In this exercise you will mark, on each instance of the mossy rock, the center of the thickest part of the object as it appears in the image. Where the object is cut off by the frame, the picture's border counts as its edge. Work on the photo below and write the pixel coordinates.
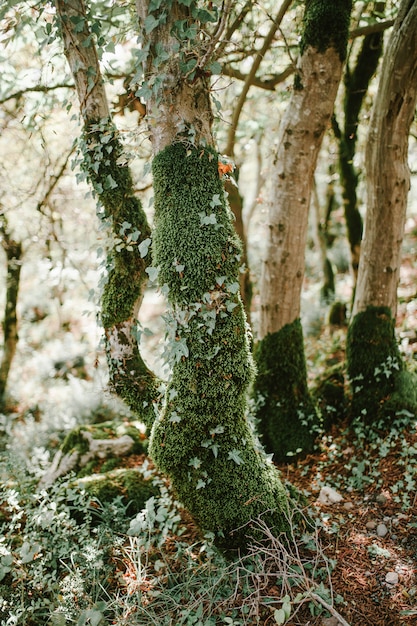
(288, 420)
(89, 446)
(381, 387)
(128, 485)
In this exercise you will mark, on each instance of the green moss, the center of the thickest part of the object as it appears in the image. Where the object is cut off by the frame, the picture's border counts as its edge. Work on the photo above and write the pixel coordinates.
(330, 397)
(288, 421)
(326, 24)
(126, 276)
(381, 388)
(128, 484)
(202, 439)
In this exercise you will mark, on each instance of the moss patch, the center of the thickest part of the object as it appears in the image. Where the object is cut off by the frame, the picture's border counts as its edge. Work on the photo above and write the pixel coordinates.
(127, 259)
(381, 388)
(288, 420)
(326, 24)
(202, 439)
(129, 485)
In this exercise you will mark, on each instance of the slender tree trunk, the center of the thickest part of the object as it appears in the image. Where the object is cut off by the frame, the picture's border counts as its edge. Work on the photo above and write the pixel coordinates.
(356, 88)
(122, 213)
(13, 250)
(202, 439)
(380, 385)
(285, 404)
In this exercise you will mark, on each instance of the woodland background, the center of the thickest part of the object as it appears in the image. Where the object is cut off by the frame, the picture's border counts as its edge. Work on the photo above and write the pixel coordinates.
(95, 553)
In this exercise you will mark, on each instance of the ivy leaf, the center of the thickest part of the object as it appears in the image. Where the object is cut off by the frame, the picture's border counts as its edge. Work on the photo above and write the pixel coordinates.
(152, 272)
(150, 23)
(144, 247)
(194, 462)
(201, 484)
(175, 418)
(234, 455)
(207, 219)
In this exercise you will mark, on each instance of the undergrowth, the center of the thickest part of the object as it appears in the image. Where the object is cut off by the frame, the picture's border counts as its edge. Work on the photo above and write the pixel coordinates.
(66, 558)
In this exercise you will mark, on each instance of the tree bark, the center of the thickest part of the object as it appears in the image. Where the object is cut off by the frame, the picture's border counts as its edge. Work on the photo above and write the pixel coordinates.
(13, 250)
(122, 213)
(281, 393)
(381, 387)
(202, 439)
(388, 175)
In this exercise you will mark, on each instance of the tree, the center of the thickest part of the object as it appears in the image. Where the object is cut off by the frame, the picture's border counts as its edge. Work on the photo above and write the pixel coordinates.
(13, 250)
(288, 419)
(202, 439)
(120, 211)
(356, 82)
(380, 385)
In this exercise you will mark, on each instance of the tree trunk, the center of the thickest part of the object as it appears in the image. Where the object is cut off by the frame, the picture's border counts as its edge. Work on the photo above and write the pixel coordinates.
(306, 119)
(13, 250)
(380, 385)
(121, 212)
(202, 439)
(356, 88)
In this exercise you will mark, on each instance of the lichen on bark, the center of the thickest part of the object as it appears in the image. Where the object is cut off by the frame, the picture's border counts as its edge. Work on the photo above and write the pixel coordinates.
(202, 439)
(288, 420)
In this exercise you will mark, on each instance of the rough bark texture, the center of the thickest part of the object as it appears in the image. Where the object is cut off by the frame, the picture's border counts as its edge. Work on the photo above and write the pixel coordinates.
(301, 133)
(388, 176)
(13, 250)
(202, 439)
(122, 213)
(308, 114)
(356, 87)
(381, 388)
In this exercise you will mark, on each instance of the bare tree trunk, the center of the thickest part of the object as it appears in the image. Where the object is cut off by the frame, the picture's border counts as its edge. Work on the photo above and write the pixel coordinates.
(126, 222)
(13, 250)
(388, 175)
(381, 387)
(288, 419)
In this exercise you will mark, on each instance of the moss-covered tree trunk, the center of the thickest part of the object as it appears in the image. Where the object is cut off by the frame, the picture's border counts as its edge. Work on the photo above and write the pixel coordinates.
(319, 69)
(356, 87)
(121, 212)
(202, 439)
(13, 250)
(380, 386)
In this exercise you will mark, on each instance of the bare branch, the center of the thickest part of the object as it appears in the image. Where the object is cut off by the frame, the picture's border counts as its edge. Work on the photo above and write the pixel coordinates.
(36, 88)
(267, 83)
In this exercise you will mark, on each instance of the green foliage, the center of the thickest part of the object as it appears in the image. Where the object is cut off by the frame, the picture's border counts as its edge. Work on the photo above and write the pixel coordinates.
(380, 386)
(53, 565)
(288, 421)
(127, 486)
(326, 24)
(202, 439)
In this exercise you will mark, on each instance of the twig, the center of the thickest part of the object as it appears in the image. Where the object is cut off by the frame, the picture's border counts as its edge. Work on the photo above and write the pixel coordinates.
(329, 608)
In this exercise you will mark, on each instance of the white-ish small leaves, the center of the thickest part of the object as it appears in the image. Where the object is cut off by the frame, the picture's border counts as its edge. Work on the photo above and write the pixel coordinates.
(283, 614)
(152, 272)
(195, 462)
(234, 455)
(144, 247)
(175, 418)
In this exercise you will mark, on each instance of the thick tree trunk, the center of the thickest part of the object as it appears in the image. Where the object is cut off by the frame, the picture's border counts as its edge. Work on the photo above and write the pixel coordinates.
(13, 250)
(285, 400)
(122, 213)
(381, 388)
(202, 439)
